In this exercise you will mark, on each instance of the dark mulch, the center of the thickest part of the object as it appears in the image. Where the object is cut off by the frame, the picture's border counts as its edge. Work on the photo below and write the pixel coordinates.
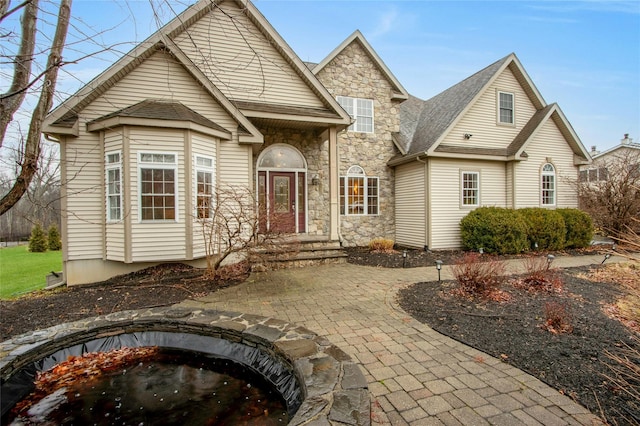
(573, 363)
(157, 286)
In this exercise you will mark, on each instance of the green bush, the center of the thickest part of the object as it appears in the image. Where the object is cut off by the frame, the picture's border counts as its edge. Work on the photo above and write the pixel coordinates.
(38, 240)
(53, 239)
(544, 227)
(579, 228)
(495, 230)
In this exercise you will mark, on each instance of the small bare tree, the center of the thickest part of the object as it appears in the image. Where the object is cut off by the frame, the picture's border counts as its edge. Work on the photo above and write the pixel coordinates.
(231, 225)
(614, 199)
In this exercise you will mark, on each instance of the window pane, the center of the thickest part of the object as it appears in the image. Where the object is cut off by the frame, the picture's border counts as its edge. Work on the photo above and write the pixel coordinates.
(372, 196)
(470, 188)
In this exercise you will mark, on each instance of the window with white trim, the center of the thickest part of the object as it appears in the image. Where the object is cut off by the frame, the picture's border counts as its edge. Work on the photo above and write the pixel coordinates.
(113, 178)
(204, 186)
(359, 109)
(358, 193)
(470, 186)
(158, 181)
(548, 185)
(505, 108)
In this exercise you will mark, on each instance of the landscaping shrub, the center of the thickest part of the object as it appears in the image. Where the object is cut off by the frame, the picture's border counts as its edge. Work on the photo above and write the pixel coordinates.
(578, 227)
(381, 245)
(539, 275)
(558, 318)
(53, 239)
(38, 239)
(495, 230)
(544, 227)
(476, 277)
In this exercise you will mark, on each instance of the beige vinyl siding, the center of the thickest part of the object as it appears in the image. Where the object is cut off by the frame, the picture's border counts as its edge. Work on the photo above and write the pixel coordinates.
(163, 240)
(205, 146)
(481, 120)
(446, 210)
(548, 145)
(218, 45)
(115, 232)
(411, 210)
(234, 164)
(159, 77)
(84, 199)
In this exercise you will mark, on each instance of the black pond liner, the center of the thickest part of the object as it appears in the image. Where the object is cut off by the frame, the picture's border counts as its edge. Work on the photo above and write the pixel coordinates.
(275, 371)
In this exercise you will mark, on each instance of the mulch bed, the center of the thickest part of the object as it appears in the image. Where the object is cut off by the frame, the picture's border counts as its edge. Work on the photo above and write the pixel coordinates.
(161, 285)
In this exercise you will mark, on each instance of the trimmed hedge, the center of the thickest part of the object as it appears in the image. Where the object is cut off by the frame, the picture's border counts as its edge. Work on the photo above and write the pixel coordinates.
(579, 228)
(495, 230)
(545, 227)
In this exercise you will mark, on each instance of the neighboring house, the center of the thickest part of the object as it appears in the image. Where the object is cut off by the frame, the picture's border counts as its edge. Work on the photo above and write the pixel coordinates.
(626, 152)
(336, 150)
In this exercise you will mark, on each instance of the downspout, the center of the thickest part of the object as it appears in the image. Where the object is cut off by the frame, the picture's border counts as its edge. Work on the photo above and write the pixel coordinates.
(427, 201)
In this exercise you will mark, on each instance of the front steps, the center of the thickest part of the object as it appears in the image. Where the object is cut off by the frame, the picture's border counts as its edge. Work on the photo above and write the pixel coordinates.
(296, 251)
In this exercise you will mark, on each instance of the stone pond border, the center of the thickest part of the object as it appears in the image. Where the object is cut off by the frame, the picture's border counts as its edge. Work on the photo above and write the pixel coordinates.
(335, 390)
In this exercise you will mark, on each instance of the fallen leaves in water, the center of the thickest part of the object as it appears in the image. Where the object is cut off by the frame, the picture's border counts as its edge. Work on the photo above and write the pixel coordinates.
(84, 367)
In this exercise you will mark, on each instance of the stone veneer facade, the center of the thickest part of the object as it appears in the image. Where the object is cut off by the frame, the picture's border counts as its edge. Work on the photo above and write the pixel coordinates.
(353, 73)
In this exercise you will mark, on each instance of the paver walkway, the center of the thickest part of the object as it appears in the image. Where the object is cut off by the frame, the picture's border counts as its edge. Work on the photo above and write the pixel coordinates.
(416, 375)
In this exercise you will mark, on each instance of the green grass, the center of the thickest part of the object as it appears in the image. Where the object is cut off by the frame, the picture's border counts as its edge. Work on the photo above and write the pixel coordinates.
(22, 271)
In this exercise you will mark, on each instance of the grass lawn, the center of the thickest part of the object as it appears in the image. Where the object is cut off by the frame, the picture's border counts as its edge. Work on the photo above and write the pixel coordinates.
(22, 271)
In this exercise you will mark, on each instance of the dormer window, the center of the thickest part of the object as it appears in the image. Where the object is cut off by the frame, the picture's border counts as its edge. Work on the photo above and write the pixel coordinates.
(359, 109)
(505, 108)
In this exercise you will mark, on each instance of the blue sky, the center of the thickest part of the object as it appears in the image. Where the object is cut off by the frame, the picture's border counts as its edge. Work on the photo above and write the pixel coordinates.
(584, 55)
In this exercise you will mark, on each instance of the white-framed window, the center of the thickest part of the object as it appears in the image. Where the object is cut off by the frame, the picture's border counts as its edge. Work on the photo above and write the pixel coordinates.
(113, 179)
(358, 193)
(548, 185)
(359, 109)
(470, 189)
(506, 111)
(158, 181)
(204, 172)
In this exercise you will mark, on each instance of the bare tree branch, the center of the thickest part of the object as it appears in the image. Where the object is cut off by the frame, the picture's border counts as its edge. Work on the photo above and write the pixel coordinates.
(32, 145)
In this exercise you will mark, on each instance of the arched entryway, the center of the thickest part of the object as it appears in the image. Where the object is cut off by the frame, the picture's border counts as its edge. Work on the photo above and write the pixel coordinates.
(282, 189)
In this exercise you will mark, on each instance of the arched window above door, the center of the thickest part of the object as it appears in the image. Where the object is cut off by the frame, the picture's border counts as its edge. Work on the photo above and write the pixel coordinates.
(281, 156)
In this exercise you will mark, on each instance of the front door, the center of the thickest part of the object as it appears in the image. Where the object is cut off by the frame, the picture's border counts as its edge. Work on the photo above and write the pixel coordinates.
(282, 202)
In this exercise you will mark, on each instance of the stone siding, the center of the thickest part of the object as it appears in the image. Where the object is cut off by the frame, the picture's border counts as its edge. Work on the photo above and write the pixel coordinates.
(353, 73)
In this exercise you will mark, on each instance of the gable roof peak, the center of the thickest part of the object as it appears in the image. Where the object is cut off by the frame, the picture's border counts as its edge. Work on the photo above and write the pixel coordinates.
(399, 91)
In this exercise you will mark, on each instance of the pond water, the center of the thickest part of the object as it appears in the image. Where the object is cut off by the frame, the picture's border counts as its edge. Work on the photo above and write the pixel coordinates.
(176, 387)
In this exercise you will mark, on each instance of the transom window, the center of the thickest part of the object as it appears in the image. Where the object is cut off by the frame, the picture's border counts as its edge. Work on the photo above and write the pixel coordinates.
(470, 188)
(113, 177)
(505, 108)
(359, 109)
(548, 184)
(158, 195)
(204, 186)
(358, 193)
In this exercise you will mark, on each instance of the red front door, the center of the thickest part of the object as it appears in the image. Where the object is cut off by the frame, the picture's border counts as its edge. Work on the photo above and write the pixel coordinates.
(282, 202)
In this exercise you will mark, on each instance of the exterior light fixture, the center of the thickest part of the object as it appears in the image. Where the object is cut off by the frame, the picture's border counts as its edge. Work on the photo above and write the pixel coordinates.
(606, 256)
(481, 250)
(535, 246)
(550, 258)
(315, 180)
(404, 258)
(438, 267)
(467, 136)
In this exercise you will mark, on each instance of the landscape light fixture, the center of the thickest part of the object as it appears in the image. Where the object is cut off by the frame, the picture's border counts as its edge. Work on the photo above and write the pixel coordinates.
(550, 258)
(606, 256)
(481, 250)
(404, 258)
(438, 267)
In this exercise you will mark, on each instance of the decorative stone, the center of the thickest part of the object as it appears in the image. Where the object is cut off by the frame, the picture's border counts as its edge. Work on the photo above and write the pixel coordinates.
(297, 348)
(352, 377)
(351, 407)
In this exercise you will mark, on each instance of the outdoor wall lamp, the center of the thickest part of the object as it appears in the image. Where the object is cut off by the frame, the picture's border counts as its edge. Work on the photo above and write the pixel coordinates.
(467, 136)
(404, 258)
(438, 267)
(315, 180)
